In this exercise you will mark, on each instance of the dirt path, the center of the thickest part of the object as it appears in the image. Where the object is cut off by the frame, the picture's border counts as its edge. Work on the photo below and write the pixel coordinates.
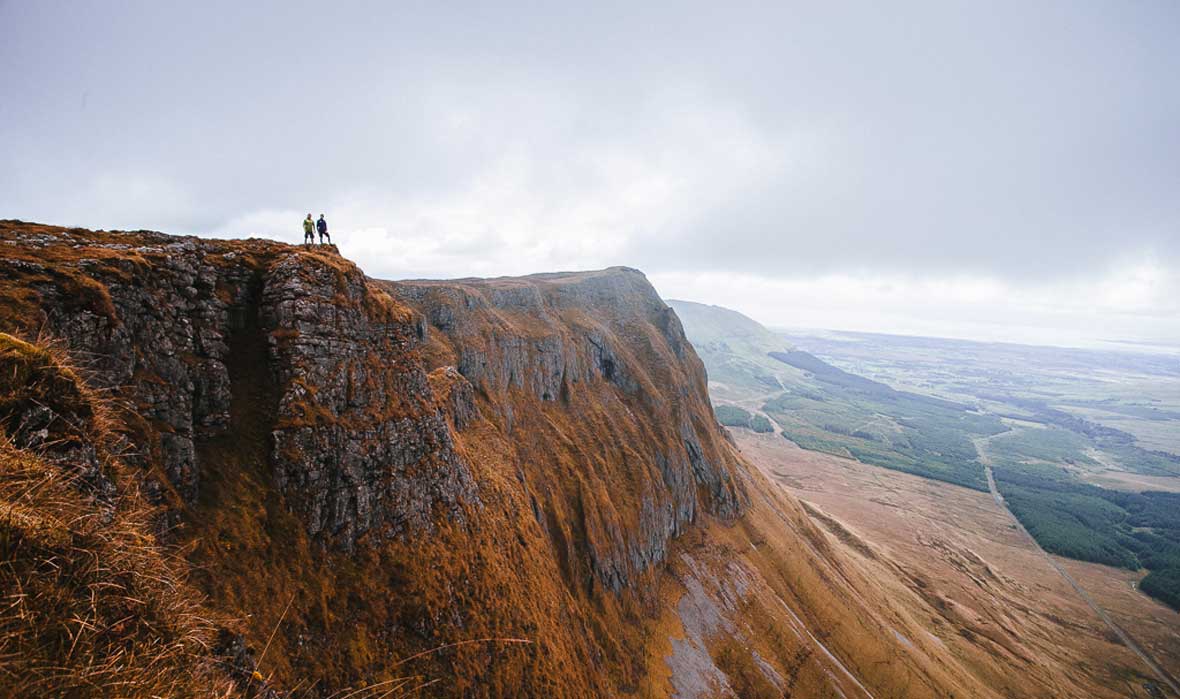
(1162, 675)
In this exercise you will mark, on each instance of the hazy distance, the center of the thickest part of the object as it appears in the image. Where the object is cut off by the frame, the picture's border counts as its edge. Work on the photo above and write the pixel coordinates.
(1000, 171)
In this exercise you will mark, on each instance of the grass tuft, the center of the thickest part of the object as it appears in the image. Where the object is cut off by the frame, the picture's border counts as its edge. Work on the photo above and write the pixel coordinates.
(90, 603)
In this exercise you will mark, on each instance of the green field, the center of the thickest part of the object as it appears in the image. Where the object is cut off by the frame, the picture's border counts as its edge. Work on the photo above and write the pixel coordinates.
(871, 422)
(1125, 405)
(733, 416)
(1051, 418)
(1052, 445)
(1082, 521)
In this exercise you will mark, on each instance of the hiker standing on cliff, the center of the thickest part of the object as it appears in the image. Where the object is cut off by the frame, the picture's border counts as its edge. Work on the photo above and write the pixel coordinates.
(322, 226)
(308, 231)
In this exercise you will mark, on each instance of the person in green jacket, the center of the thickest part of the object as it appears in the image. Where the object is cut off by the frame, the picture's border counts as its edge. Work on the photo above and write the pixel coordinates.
(308, 230)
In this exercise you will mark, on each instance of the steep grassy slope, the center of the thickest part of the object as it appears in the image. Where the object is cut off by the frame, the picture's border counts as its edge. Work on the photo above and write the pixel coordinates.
(853, 417)
(503, 488)
(91, 602)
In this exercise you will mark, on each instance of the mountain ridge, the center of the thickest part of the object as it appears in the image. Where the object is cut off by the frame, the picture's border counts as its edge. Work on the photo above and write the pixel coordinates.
(358, 471)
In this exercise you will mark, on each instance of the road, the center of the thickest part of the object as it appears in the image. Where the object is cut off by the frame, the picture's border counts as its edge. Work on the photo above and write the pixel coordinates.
(1159, 672)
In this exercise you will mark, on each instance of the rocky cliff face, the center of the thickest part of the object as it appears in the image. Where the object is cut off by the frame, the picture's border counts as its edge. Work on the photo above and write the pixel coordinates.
(359, 442)
(521, 477)
(579, 350)
(356, 441)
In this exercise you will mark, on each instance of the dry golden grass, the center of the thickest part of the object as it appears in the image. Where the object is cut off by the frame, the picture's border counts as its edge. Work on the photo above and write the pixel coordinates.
(92, 604)
(39, 374)
(563, 484)
(948, 559)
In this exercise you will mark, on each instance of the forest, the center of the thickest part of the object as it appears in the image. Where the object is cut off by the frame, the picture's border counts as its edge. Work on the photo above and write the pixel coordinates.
(1038, 456)
(1082, 521)
(733, 416)
(873, 423)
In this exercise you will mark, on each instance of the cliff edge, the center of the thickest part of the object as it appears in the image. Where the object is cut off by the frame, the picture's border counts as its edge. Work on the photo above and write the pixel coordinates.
(506, 487)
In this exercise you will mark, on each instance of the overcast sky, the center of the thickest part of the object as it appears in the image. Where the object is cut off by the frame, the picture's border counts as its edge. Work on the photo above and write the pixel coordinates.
(999, 170)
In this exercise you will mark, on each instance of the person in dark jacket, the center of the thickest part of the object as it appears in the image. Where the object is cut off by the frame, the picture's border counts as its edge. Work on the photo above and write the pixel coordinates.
(308, 231)
(322, 226)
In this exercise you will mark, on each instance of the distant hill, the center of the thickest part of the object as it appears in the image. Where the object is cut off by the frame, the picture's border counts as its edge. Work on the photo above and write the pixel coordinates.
(736, 350)
(706, 324)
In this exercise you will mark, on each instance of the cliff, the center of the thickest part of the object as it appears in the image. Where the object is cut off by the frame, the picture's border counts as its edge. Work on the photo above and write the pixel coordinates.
(598, 403)
(508, 487)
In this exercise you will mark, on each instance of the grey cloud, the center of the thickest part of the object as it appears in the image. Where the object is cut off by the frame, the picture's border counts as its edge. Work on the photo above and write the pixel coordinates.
(1011, 139)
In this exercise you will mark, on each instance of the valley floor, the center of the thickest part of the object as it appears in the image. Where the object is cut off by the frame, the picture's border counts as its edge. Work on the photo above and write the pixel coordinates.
(984, 587)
